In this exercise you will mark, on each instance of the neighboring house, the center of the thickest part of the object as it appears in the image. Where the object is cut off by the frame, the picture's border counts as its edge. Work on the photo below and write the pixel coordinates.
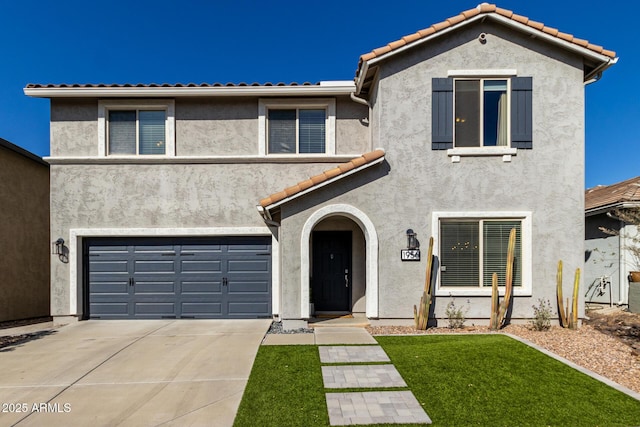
(195, 200)
(608, 259)
(24, 231)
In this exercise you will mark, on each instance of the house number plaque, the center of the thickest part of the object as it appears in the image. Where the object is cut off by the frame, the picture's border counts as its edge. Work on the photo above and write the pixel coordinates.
(410, 254)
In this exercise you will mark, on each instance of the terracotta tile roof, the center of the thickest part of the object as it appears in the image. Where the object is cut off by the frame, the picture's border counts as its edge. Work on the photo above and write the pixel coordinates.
(317, 180)
(483, 8)
(170, 85)
(611, 195)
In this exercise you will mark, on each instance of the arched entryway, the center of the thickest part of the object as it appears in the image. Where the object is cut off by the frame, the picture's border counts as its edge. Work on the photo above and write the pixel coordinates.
(348, 235)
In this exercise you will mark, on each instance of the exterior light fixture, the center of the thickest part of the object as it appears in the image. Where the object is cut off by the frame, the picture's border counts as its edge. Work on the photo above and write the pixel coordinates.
(412, 253)
(412, 241)
(58, 246)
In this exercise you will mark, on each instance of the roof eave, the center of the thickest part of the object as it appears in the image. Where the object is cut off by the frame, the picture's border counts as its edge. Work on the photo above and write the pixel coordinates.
(607, 61)
(612, 206)
(153, 92)
(272, 206)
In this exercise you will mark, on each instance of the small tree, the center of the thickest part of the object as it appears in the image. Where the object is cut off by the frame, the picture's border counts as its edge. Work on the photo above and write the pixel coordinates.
(629, 216)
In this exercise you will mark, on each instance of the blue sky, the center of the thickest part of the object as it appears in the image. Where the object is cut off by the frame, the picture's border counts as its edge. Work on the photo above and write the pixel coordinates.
(161, 41)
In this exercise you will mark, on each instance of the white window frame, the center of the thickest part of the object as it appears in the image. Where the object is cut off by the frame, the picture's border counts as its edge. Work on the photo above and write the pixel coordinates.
(167, 105)
(483, 74)
(526, 254)
(481, 80)
(328, 104)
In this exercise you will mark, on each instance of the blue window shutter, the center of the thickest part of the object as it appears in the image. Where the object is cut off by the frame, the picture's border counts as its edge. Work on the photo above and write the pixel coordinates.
(442, 113)
(521, 115)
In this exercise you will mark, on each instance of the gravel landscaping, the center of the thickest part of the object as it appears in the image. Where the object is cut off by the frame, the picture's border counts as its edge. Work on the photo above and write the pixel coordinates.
(276, 328)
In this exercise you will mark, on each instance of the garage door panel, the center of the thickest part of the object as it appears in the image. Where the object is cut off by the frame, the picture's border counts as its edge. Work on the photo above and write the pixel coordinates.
(154, 308)
(204, 309)
(247, 308)
(110, 288)
(198, 288)
(168, 249)
(201, 266)
(226, 277)
(106, 309)
(248, 266)
(244, 287)
(201, 249)
(109, 249)
(249, 245)
(154, 287)
(109, 266)
(154, 266)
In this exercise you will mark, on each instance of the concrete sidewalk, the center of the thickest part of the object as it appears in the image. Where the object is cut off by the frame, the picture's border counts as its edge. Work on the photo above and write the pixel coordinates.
(137, 373)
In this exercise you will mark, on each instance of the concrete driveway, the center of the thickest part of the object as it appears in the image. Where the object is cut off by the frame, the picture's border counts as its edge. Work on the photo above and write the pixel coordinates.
(130, 373)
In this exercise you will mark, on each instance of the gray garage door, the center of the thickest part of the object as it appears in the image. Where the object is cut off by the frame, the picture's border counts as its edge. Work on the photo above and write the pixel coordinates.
(154, 278)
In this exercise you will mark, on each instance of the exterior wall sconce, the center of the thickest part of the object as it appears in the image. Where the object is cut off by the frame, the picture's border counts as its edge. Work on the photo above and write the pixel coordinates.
(412, 253)
(412, 241)
(58, 246)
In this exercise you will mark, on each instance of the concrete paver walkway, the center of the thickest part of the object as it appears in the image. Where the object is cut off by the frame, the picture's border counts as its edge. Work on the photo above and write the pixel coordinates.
(362, 407)
(361, 376)
(352, 354)
(375, 407)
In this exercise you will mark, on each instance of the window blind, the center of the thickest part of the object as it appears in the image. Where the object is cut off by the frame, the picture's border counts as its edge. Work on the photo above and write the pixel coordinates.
(495, 244)
(459, 253)
(282, 131)
(311, 131)
(152, 127)
(122, 132)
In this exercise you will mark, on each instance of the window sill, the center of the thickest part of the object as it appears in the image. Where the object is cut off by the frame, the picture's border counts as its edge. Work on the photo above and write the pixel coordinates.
(165, 159)
(479, 292)
(505, 152)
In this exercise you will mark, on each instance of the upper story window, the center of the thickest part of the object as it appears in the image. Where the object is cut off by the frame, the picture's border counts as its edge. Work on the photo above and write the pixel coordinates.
(296, 126)
(137, 132)
(482, 115)
(297, 130)
(130, 128)
(481, 118)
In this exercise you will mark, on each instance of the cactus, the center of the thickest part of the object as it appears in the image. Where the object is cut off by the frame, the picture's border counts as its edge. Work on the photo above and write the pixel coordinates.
(494, 301)
(421, 314)
(568, 319)
(573, 320)
(561, 310)
(499, 310)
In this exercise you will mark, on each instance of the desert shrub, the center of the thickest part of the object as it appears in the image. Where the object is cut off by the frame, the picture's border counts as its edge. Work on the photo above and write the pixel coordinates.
(541, 315)
(456, 315)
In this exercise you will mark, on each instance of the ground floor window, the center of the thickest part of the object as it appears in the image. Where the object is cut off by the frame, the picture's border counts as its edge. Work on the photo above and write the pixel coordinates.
(471, 250)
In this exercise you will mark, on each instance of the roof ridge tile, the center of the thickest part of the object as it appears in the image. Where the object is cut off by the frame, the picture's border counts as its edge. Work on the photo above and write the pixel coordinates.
(483, 8)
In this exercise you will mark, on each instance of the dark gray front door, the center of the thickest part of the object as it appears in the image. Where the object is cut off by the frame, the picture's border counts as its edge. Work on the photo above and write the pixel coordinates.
(331, 270)
(150, 278)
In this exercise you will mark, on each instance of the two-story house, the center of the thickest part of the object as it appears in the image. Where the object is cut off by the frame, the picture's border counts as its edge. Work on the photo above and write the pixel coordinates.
(260, 200)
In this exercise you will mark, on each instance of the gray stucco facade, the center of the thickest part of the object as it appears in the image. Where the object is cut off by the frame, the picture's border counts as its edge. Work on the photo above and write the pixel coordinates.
(218, 174)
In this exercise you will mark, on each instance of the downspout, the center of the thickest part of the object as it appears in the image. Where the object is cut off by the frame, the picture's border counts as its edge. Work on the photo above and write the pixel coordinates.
(266, 216)
(596, 74)
(622, 258)
(359, 100)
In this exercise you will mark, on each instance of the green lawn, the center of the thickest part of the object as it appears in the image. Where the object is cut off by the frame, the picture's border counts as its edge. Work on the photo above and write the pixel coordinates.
(462, 380)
